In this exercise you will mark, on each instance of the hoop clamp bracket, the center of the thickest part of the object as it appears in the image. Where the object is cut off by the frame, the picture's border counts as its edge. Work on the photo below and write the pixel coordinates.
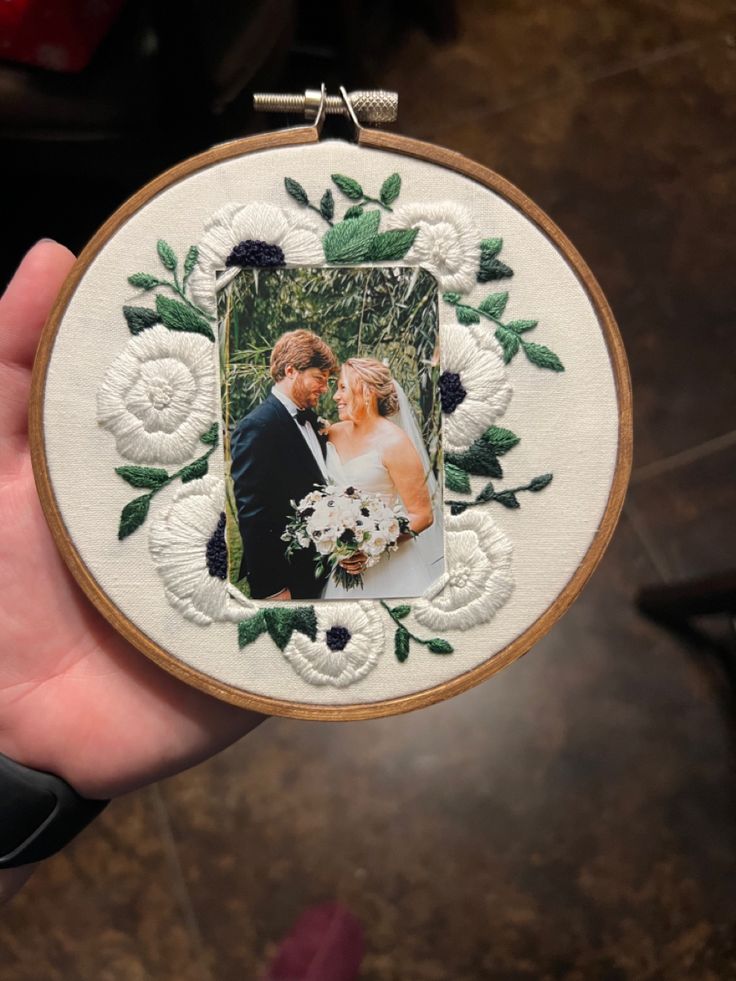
(373, 106)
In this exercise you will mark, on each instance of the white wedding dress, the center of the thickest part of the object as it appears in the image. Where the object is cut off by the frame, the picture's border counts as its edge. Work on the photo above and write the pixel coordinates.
(408, 571)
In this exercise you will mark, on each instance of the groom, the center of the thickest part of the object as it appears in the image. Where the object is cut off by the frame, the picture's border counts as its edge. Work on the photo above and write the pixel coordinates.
(277, 456)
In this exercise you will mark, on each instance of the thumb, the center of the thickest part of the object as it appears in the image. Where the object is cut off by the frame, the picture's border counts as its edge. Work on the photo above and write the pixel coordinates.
(28, 299)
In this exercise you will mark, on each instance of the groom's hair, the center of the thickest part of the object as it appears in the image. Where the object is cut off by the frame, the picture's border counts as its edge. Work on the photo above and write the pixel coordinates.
(301, 349)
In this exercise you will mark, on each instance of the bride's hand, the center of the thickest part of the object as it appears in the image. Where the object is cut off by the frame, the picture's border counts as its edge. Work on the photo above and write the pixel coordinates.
(355, 564)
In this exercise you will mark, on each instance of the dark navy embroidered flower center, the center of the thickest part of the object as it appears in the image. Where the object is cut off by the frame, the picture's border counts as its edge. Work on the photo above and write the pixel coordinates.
(217, 551)
(252, 252)
(337, 638)
(451, 391)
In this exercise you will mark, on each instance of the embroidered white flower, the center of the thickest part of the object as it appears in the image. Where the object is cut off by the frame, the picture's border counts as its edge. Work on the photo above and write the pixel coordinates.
(266, 236)
(478, 579)
(348, 644)
(159, 396)
(474, 388)
(447, 243)
(187, 545)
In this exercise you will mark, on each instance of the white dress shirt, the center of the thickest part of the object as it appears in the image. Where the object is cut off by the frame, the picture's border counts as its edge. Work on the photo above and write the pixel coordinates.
(310, 437)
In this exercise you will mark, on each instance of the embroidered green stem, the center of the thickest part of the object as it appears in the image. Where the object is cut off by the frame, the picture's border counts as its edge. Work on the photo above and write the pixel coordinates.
(505, 497)
(152, 282)
(326, 209)
(390, 190)
(508, 334)
(403, 635)
(155, 479)
(147, 282)
(319, 212)
(367, 199)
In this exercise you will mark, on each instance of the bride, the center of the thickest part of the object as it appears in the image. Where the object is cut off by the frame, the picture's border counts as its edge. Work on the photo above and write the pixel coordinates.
(370, 451)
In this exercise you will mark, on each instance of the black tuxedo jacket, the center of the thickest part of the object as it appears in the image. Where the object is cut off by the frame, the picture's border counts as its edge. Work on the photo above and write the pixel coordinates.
(271, 466)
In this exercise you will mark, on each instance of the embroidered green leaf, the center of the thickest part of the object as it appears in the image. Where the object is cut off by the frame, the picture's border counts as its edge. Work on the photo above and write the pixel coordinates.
(327, 206)
(282, 622)
(139, 318)
(509, 343)
(400, 612)
(166, 255)
(500, 440)
(133, 515)
(451, 298)
(143, 281)
(349, 187)
(493, 269)
(457, 507)
(401, 644)
(520, 326)
(149, 477)
(490, 267)
(350, 241)
(390, 189)
(487, 494)
(305, 621)
(295, 189)
(392, 245)
(539, 483)
(191, 261)
(439, 646)
(494, 305)
(250, 629)
(508, 499)
(178, 316)
(193, 471)
(354, 211)
(456, 479)
(490, 247)
(466, 315)
(210, 437)
(542, 357)
(479, 459)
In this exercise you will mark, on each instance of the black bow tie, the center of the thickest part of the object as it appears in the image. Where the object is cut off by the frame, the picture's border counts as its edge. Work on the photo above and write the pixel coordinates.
(306, 415)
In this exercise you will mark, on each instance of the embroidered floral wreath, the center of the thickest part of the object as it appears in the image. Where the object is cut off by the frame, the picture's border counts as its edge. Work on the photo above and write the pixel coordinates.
(159, 401)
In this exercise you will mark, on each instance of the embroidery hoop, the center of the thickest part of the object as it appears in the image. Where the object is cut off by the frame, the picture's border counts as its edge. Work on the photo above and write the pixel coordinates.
(438, 156)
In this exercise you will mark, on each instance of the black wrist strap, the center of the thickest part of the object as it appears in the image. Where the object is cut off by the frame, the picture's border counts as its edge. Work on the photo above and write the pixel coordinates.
(39, 814)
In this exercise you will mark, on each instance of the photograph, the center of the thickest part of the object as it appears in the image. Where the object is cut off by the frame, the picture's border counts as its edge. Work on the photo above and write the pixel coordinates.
(329, 391)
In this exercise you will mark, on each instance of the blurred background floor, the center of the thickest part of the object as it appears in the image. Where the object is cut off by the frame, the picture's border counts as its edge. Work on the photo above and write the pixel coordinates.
(574, 816)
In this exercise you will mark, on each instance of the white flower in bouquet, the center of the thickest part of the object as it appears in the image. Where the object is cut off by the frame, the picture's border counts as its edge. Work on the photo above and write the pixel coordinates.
(341, 523)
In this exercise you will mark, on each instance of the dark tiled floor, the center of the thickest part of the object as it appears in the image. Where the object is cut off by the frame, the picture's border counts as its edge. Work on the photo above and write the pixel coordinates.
(560, 822)
(574, 817)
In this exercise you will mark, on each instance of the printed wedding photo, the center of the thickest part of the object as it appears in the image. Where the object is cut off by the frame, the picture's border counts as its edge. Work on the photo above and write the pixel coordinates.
(329, 384)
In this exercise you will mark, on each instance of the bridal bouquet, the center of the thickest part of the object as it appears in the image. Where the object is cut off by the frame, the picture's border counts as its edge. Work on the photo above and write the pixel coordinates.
(340, 522)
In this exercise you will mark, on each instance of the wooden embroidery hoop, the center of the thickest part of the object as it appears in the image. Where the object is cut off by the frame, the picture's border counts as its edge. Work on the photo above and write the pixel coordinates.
(379, 140)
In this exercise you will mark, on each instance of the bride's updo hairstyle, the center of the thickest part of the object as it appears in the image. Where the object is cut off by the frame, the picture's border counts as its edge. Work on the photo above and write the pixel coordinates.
(377, 379)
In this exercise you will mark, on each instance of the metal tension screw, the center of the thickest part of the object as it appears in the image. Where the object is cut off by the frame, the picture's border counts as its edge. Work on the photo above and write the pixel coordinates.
(370, 106)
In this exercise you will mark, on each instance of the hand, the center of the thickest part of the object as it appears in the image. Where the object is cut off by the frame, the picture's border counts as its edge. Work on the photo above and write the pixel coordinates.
(284, 594)
(75, 698)
(355, 564)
